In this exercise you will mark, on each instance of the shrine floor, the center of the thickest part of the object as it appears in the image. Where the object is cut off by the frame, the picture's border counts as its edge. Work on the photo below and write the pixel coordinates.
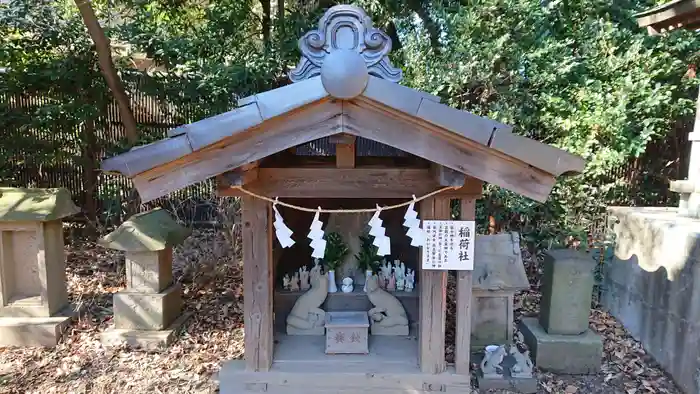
(300, 365)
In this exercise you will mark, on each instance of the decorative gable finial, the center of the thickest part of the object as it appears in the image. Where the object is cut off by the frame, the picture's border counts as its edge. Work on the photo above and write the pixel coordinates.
(345, 27)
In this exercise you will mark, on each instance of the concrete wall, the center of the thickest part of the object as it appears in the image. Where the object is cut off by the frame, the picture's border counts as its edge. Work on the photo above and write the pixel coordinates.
(663, 314)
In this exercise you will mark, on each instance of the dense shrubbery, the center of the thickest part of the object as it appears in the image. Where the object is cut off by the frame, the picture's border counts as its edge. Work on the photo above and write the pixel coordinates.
(579, 75)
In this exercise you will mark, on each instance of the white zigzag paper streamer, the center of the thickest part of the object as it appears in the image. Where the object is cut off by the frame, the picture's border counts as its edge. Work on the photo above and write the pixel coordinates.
(316, 236)
(283, 233)
(411, 221)
(381, 241)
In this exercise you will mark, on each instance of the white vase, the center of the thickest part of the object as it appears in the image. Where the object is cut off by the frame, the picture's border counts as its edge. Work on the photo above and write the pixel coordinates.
(368, 274)
(332, 288)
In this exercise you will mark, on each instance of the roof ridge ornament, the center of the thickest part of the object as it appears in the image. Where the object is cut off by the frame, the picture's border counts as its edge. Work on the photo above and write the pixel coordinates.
(345, 27)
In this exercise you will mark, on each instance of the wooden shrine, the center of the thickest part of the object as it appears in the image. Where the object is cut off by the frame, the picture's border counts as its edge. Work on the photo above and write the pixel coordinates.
(345, 134)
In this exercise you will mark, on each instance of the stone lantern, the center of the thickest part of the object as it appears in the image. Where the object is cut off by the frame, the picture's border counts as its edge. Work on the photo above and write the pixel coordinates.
(147, 312)
(498, 274)
(34, 307)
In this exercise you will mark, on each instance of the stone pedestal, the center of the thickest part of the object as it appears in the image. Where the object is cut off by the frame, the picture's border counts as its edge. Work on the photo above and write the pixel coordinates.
(567, 354)
(34, 308)
(498, 274)
(147, 312)
(560, 339)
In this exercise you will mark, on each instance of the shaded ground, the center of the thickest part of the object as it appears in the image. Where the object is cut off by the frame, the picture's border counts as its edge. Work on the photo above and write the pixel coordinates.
(211, 281)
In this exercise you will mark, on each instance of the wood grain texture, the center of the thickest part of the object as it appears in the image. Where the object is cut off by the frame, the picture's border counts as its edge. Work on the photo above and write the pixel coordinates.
(445, 176)
(464, 302)
(339, 183)
(369, 120)
(307, 124)
(433, 299)
(545, 157)
(257, 283)
(345, 155)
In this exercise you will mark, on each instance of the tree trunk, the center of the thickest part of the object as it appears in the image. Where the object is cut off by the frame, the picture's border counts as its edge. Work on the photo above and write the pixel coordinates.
(104, 56)
(266, 21)
(280, 15)
(421, 10)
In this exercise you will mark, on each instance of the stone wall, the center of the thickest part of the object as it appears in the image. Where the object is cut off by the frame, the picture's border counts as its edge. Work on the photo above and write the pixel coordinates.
(663, 314)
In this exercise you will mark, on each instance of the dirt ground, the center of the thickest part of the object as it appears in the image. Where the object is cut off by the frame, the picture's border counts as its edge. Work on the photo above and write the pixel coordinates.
(212, 286)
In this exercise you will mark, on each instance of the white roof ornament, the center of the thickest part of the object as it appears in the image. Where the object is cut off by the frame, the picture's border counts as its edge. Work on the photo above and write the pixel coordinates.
(344, 74)
(345, 28)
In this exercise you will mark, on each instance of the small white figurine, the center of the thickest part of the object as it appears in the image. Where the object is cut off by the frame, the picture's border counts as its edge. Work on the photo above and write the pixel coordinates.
(410, 280)
(286, 282)
(385, 273)
(304, 278)
(347, 285)
(400, 284)
(294, 286)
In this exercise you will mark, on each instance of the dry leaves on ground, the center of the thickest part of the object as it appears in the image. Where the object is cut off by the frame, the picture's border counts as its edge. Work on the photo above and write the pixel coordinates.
(212, 289)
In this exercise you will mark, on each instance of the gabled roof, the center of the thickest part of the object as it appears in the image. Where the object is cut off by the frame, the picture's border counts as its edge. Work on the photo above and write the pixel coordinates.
(676, 14)
(35, 205)
(149, 231)
(345, 84)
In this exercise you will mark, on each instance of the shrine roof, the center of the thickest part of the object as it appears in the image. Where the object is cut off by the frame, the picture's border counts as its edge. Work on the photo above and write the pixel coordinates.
(500, 264)
(675, 14)
(35, 205)
(344, 83)
(149, 231)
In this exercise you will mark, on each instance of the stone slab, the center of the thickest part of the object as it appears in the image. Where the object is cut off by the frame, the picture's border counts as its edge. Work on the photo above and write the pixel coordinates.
(144, 339)
(568, 354)
(34, 331)
(518, 385)
(150, 312)
(314, 331)
(339, 377)
(149, 272)
(396, 330)
(567, 289)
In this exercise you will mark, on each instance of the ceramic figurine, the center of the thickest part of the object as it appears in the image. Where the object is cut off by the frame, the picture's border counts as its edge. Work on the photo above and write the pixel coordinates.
(347, 285)
(306, 316)
(304, 278)
(523, 365)
(400, 284)
(294, 286)
(391, 286)
(385, 274)
(410, 280)
(491, 364)
(286, 282)
(388, 317)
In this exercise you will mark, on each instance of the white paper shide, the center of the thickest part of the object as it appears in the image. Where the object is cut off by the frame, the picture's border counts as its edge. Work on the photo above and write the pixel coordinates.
(381, 241)
(316, 236)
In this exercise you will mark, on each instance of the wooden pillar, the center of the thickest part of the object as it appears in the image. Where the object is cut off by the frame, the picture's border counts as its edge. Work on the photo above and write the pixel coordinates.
(433, 299)
(257, 283)
(464, 302)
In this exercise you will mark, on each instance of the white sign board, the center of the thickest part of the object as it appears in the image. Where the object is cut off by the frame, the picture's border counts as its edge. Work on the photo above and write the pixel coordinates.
(449, 245)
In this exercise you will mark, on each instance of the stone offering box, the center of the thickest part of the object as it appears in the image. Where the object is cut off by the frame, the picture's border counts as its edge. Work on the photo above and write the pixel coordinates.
(33, 297)
(346, 332)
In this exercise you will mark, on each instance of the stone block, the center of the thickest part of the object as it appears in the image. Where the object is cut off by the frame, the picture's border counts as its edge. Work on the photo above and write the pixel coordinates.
(32, 269)
(34, 331)
(142, 311)
(313, 331)
(567, 354)
(143, 339)
(567, 288)
(491, 318)
(518, 385)
(149, 272)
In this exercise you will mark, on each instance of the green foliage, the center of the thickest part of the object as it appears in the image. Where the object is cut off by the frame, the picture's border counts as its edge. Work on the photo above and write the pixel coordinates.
(367, 258)
(580, 75)
(336, 250)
